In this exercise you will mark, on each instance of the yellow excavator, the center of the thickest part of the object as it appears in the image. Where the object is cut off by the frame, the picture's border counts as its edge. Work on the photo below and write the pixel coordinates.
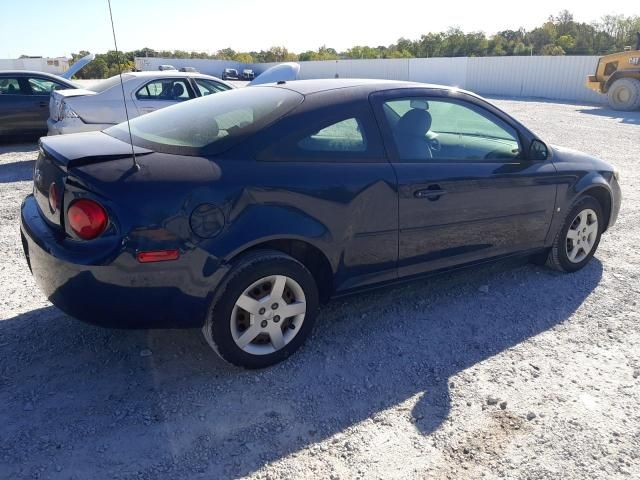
(618, 76)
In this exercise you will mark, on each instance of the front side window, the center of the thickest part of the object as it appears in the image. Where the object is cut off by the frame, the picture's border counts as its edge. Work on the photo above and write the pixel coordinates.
(344, 136)
(428, 129)
(165, 89)
(40, 86)
(9, 86)
(211, 124)
(207, 87)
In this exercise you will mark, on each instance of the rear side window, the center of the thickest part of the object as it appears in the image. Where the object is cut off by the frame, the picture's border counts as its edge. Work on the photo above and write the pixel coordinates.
(211, 124)
(207, 87)
(165, 89)
(9, 86)
(344, 136)
(40, 86)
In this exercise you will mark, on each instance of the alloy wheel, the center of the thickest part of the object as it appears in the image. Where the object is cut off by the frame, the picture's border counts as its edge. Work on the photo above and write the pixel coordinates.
(268, 315)
(582, 235)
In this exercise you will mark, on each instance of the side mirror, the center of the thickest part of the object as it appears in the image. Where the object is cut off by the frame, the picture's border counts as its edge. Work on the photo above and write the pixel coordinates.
(538, 150)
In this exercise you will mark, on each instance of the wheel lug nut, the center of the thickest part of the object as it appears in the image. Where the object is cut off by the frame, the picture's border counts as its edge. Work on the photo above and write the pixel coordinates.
(261, 311)
(276, 318)
(263, 324)
(274, 306)
(292, 326)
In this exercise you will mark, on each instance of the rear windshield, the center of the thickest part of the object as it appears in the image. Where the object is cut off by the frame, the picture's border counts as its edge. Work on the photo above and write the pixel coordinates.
(108, 83)
(211, 124)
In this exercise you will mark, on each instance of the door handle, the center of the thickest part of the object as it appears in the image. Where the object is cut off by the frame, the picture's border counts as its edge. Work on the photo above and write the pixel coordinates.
(434, 192)
(43, 104)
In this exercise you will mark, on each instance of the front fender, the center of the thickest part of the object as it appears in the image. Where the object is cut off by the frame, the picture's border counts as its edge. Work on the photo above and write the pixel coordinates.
(576, 186)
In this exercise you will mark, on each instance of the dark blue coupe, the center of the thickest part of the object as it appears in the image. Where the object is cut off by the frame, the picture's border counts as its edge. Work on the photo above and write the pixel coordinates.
(241, 212)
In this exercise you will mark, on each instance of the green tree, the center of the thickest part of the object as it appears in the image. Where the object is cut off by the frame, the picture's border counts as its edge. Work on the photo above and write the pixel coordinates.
(96, 69)
(243, 57)
(551, 49)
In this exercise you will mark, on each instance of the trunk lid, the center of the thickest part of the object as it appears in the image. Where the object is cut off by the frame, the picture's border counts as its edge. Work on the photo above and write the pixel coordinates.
(79, 149)
(58, 96)
(57, 158)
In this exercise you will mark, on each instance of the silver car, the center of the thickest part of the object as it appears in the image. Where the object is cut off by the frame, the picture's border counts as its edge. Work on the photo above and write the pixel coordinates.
(101, 106)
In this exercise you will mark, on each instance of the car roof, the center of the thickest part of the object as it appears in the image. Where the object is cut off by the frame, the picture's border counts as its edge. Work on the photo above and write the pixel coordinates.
(308, 87)
(167, 73)
(28, 73)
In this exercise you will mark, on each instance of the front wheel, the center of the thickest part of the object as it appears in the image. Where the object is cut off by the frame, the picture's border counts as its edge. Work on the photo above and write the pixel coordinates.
(577, 241)
(624, 94)
(263, 311)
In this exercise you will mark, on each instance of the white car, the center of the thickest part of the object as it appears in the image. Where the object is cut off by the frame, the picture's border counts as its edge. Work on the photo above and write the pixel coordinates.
(101, 106)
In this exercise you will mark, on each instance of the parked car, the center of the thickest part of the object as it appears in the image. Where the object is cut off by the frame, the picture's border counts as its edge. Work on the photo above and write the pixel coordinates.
(286, 72)
(82, 110)
(247, 74)
(24, 102)
(242, 211)
(230, 74)
(188, 69)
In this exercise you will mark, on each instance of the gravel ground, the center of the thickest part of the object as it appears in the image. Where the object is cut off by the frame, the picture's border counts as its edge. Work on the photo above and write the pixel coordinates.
(511, 371)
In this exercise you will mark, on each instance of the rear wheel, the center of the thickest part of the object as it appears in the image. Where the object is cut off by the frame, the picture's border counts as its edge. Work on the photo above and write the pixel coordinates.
(624, 94)
(577, 241)
(263, 311)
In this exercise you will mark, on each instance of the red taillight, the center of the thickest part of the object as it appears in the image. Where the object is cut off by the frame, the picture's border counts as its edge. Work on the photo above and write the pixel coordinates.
(158, 256)
(87, 218)
(53, 197)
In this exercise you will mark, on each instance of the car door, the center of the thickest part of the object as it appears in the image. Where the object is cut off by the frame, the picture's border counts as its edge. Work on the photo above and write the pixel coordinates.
(16, 106)
(331, 160)
(466, 189)
(160, 93)
(40, 89)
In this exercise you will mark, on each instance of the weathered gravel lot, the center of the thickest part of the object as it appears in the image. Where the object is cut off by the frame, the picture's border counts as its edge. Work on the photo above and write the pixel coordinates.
(511, 371)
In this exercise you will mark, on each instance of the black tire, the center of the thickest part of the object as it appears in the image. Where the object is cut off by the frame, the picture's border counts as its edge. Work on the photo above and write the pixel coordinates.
(624, 94)
(558, 258)
(247, 270)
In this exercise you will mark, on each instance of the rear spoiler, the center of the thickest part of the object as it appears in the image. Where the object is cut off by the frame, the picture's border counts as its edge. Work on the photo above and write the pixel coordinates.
(68, 154)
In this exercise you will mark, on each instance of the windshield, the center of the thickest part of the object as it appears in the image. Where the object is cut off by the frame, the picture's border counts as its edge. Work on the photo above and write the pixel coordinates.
(210, 124)
(108, 83)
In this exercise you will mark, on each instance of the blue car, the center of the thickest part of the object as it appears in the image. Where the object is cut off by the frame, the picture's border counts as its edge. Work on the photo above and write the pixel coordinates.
(241, 212)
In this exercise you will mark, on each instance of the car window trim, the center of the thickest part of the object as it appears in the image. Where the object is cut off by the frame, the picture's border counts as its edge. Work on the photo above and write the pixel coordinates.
(378, 98)
(190, 89)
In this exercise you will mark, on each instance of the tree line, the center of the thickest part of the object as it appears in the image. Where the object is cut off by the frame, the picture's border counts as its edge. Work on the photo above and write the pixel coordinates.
(559, 35)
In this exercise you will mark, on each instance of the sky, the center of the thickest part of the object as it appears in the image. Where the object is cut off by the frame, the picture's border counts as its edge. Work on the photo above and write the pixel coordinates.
(57, 28)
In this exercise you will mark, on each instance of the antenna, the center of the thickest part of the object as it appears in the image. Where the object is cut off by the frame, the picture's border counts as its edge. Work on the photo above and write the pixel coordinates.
(124, 98)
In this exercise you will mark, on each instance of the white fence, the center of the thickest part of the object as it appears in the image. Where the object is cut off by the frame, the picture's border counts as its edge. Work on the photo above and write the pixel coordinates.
(40, 64)
(557, 78)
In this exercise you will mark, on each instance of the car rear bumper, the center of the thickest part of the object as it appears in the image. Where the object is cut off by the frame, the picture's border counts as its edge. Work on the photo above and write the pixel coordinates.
(73, 125)
(115, 291)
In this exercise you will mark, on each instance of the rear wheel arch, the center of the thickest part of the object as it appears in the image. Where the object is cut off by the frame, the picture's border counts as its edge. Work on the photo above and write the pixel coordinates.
(312, 257)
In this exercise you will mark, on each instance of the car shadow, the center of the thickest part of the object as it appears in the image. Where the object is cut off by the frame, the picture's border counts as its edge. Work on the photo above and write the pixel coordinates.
(161, 404)
(16, 171)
